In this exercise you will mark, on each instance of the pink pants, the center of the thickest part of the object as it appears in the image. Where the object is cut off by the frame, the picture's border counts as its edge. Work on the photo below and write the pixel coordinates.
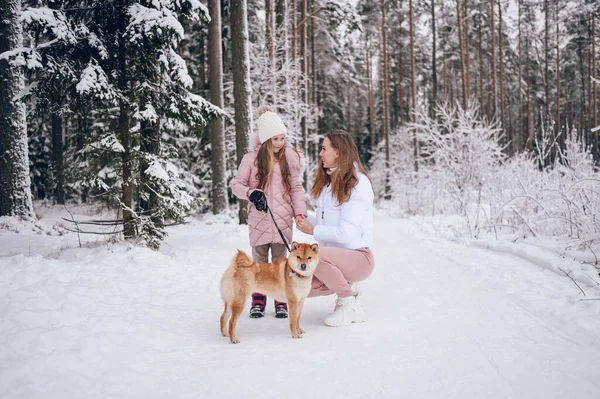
(338, 267)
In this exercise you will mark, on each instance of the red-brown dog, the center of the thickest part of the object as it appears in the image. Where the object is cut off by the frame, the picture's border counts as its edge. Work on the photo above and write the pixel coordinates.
(286, 280)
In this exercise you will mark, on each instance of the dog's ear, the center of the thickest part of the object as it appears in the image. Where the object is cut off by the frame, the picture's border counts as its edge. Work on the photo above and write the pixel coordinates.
(294, 246)
(315, 247)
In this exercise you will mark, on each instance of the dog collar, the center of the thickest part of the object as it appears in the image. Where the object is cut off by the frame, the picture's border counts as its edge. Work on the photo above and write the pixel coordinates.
(295, 273)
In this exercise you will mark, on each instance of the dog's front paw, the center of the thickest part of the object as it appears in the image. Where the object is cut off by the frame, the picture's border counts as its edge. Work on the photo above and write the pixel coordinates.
(297, 335)
(300, 331)
(234, 340)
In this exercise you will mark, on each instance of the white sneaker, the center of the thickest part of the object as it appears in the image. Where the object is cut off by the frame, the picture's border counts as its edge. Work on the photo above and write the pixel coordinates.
(346, 312)
(356, 291)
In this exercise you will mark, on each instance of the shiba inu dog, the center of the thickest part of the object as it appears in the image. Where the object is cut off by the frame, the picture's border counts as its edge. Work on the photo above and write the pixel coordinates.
(287, 280)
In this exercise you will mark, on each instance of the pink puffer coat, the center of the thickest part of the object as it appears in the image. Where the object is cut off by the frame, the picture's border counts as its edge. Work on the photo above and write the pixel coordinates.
(284, 207)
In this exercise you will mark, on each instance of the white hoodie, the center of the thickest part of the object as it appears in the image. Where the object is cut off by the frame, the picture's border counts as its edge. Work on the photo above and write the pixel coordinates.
(349, 225)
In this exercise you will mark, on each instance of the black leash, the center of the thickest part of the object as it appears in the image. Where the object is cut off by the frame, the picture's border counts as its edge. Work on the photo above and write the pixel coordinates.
(259, 198)
(278, 229)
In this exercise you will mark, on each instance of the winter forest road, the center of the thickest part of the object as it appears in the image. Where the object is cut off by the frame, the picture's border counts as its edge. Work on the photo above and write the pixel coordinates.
(445, 321)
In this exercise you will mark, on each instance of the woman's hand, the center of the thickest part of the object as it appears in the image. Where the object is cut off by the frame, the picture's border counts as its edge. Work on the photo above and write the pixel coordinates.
(304, 225)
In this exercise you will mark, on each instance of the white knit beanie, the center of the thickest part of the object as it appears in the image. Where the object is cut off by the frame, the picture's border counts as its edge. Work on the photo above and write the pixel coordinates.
(270, 125)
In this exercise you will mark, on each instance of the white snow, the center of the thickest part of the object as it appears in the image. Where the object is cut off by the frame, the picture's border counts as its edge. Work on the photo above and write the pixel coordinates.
(179, 69)
(156, 170)
(53, 20)
(446, 320)
(94, 80)
(151, 21)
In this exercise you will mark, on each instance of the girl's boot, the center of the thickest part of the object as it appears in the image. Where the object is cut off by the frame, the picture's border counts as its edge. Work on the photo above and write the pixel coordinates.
(257, 310)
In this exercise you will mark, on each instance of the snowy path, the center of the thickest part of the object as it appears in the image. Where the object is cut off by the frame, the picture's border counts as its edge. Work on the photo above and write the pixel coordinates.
(445, 321)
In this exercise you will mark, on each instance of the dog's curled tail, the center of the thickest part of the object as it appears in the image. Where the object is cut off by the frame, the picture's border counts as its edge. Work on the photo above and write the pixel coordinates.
(243, 260)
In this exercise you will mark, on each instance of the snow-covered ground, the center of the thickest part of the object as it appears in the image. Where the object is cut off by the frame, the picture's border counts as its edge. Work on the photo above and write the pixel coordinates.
(446, 320)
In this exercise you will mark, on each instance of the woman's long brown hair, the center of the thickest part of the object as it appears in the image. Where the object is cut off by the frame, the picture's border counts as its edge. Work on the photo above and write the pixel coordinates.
(264, 163)
(344, 178)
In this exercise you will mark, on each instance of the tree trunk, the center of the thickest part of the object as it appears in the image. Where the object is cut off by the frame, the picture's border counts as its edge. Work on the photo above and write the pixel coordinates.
(494, 84)
(371, 96)
(462, 54)
(270, 29)
(313, 65)
(149, 144)
(444, 72)
(15, 191)
(282, 48)
(596, 149)
(241, 85)
(129, 227)
(501, 56)
(304, 83)
(583, 112)
(217, 129)
(386, 76)
(433, 61)
(466, 41)
(520, 66)
(386, 102)
(400, 83)
(282, 32)
(560, 137)
(270, 47)
(57, 157)
(529, 141)
(480, 34)
(414, 85)
(203, 64)
(294, 31)
(589, 135)
(546, 64)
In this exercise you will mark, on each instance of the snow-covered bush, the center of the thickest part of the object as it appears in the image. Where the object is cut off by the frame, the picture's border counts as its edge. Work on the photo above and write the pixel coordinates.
(463, 171)
(563, 200)
(459, 153)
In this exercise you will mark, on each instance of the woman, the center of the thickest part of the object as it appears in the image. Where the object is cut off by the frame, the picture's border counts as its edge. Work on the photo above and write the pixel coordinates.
(343, 227)
(274, 169)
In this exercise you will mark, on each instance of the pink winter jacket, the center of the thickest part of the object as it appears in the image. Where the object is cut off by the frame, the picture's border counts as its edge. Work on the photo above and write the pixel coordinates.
(284, 207)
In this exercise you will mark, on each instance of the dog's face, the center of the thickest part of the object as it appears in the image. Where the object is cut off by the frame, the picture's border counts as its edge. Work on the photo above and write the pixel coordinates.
(304, 258)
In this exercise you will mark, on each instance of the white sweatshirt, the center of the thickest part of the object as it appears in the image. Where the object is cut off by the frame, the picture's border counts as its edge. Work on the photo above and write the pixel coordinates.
(349, 225)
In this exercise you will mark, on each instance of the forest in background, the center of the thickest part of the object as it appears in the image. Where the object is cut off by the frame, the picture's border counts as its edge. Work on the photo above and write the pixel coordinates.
(487, 109)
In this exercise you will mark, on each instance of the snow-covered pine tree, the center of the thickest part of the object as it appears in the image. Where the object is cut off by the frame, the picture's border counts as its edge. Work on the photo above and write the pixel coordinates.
(15, 193)
(120, 59)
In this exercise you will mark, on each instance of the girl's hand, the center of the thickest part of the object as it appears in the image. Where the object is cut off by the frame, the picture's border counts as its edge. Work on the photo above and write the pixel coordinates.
(251, 190)
(306, 227)
(299, 218)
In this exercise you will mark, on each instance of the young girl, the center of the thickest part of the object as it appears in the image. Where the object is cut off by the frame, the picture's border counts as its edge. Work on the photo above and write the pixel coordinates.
(275, 170)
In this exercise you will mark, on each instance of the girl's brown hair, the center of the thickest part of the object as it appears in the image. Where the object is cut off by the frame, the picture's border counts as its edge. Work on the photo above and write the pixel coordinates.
(264, 163)
(345, 177)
